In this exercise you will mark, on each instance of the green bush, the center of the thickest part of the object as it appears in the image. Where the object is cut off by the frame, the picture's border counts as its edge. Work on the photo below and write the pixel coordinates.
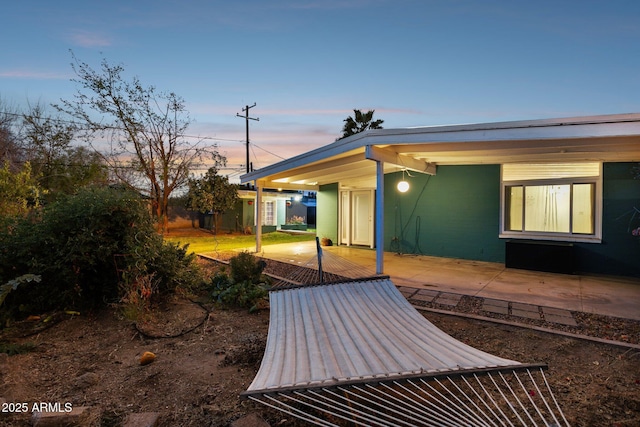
(245, 267)
(245, 286)
(81, 245)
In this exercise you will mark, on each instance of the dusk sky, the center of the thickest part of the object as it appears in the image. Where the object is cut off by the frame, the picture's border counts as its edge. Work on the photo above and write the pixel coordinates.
(308, 63)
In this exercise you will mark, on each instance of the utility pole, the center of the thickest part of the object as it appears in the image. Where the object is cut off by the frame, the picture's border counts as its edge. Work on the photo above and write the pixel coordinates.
(247, 118)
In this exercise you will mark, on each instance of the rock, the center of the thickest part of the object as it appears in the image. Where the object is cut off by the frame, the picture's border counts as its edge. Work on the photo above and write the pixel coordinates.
(251, 420)
(147, 357)
(143, 419)
(214, 409)
(78, 416)
(87, 380)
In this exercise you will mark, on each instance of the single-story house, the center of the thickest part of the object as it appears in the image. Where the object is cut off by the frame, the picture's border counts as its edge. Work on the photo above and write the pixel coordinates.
(558, 194)
(280, 209)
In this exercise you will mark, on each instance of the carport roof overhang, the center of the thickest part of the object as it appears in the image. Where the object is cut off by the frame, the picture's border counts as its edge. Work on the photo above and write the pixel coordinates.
(350, 161)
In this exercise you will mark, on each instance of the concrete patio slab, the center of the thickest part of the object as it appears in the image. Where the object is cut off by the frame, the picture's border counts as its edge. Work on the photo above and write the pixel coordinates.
(610, 296)
(562, 320)
(448, 299)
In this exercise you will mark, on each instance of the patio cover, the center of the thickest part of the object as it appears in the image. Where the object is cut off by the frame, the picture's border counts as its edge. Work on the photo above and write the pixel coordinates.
(357, 351)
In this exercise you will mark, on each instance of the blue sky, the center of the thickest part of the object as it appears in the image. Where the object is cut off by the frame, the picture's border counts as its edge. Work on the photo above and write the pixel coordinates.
(308, 63)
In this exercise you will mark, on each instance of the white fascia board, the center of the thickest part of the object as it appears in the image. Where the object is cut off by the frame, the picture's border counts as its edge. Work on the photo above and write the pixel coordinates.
(321, 153)
(582, 120)
(518, 131)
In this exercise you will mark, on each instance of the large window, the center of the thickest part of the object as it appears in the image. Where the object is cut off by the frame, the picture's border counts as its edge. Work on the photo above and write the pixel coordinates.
(551, 201)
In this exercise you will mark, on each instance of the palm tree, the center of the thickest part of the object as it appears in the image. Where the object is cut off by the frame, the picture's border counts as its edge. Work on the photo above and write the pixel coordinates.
(362, 122)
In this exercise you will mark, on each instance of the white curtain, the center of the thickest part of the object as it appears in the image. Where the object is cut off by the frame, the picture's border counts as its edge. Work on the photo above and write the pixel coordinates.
(547, 208)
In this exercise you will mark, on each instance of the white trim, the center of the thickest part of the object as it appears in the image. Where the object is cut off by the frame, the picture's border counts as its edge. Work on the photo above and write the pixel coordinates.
(596, 237)
(346, 217)
(378, 218)
(344, 213)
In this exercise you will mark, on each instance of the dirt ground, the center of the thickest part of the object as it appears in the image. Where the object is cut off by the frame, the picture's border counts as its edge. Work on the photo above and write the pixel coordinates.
(208, 357)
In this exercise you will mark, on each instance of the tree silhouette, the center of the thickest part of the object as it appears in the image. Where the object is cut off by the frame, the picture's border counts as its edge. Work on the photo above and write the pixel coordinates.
(212, 193)
(359, 123)
(145, 131)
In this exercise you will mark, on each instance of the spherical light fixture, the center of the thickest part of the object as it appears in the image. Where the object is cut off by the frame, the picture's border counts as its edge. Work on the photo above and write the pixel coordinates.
(403, 186)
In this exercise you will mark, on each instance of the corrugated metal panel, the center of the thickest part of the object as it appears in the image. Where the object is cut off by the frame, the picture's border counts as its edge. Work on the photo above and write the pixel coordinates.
(325, 335)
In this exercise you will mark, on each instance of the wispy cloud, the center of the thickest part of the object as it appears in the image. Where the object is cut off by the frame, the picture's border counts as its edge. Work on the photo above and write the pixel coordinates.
(85, 38)
(32, 75)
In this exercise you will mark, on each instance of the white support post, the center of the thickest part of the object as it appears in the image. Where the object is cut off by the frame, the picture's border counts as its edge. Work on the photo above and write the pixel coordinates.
(379, 217)
(258, 216)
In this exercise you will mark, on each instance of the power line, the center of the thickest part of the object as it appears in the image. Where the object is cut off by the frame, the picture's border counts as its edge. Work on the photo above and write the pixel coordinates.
(81, 127)
(269, 152)
(199, 137)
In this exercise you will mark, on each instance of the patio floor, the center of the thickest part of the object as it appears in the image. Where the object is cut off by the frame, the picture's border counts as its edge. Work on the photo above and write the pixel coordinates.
(525, 290)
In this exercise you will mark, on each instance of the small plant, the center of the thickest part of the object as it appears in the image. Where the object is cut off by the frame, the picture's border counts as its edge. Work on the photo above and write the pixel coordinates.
(245, 286)
(137, 291)
(13, 349)
(296, 220)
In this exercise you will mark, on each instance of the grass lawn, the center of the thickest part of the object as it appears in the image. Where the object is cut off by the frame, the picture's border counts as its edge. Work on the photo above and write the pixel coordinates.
(204, 242)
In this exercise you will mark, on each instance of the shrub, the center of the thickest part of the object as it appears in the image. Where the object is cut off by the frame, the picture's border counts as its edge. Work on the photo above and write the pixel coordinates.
(245, 267)
(75, 245)
(245, 286)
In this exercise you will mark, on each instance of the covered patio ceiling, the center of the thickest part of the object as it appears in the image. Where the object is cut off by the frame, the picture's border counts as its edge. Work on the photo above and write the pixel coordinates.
(351, 161)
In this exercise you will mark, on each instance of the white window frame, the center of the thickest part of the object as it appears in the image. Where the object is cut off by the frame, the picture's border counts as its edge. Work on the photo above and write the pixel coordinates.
(596, 237)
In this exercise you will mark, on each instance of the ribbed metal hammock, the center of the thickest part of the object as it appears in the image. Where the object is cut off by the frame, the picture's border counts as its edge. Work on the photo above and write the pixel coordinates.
(356, 352)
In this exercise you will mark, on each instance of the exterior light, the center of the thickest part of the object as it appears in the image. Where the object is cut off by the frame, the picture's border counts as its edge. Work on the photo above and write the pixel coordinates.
(403, 186)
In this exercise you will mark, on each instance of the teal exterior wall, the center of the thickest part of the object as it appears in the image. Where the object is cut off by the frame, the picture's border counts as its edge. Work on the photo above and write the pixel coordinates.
(619, 252)
(232, 219)
(281, 212)
(327, 212)
(248, 213)
(455, 213)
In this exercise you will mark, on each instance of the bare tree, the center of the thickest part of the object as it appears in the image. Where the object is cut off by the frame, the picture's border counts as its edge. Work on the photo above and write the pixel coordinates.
(146, 148)
(10, 153)
(61, 166)
(45, 141)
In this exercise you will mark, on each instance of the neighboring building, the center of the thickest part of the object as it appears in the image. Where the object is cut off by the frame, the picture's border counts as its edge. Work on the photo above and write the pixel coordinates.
(278, 209)
(557, 195)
